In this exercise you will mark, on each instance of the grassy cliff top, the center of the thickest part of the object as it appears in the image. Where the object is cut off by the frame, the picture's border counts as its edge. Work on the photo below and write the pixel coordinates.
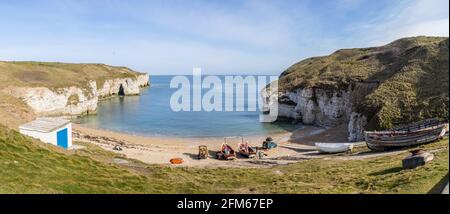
(57, 75)
(412, 73)
(362, 64)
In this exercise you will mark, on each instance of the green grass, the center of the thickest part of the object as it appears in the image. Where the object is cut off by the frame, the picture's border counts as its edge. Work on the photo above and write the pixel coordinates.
(412, 73)
(378, 175)
(13, 111)
(59, 75)
(27, 166)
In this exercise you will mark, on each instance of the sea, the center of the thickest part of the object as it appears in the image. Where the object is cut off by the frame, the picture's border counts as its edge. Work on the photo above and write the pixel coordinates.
(150, 114)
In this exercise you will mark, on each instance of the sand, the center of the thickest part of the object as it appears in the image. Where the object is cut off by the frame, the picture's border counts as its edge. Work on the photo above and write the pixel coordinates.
(293, 146)
(308, 135)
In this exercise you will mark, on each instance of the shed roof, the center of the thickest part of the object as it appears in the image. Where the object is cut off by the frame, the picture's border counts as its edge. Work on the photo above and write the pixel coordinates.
(45, 124)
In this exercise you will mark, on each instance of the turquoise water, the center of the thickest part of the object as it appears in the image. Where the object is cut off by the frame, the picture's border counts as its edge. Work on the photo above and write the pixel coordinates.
(150, 115)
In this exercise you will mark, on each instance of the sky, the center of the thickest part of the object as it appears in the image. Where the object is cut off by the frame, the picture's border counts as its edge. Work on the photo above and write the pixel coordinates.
(164, 37)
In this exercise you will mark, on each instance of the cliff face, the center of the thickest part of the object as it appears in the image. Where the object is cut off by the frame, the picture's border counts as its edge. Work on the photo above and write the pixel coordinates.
(55, 89)
(74, 100)
(129, 86)
(319, 106)
(369, 88)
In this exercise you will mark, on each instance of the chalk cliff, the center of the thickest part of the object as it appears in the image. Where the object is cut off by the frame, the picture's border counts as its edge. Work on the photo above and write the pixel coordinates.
(369, 88)
(326, 107)
(49, 97)
(73, 100)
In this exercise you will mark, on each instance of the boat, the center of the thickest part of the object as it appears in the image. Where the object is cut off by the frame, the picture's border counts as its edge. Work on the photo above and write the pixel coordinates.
(226, 152)
(407, 135)
(176, 160)
(246, 150)
(333, 147)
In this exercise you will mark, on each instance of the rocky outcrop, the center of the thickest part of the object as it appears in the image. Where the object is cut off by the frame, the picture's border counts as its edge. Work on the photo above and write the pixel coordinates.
(327, 107)
(356, 126)
(127, 86)
(75, 100)
(411, 78)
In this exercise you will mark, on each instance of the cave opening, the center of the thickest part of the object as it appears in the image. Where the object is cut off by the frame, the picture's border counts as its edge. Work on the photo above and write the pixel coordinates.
(121, 90)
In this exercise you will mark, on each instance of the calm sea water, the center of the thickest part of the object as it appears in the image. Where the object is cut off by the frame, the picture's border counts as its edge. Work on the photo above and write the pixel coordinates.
(150, 114)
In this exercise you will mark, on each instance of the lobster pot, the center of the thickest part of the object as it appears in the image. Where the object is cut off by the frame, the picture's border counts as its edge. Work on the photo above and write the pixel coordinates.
(55, 131)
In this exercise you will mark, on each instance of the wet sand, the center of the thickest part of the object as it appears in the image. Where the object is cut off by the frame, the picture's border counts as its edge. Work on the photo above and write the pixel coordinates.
(308, 135)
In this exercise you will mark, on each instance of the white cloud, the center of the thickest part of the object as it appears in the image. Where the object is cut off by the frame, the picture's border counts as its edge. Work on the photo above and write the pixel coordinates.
(253, 36)
(162, 38)
(410, 18)
(153, 56)
(432, 28)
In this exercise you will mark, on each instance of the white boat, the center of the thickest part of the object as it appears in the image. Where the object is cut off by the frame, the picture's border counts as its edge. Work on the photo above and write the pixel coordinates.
(334, 147)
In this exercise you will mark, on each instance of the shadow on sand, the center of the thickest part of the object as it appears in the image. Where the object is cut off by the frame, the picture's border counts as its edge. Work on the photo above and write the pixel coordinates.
(299, 150)
(211, 154)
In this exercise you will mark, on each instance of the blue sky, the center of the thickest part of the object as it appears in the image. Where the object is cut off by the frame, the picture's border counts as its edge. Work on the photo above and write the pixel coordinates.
(220, 36)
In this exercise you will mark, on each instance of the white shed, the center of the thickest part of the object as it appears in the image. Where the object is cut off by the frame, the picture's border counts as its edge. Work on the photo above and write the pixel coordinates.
(56, 131)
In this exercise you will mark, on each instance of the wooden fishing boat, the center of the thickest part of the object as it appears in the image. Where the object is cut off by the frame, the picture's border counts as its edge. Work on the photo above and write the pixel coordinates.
(246, 150)
(404, 136)
(226, 153)
(334, 147)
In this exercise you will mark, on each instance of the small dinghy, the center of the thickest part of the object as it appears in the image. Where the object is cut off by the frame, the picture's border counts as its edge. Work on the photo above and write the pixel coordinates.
(176, 161)
(226, 153)
(334, 147)
(246, 150)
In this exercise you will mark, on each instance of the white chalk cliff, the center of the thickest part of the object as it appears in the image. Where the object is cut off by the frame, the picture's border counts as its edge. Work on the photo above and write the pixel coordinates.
(73, 100)
(374, 88)
(326, 107)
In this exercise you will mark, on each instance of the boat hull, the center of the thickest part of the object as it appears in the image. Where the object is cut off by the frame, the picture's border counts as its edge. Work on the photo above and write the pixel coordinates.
(332, 148)
(397, 139)
(248, 154)
(226, 153)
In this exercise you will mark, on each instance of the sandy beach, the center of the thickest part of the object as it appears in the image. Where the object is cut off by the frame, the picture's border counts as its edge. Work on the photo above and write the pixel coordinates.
(292, 146)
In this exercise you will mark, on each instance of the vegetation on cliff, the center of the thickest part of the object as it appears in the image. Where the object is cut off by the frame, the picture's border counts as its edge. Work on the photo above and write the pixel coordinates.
(412, 76)
(59, 75)
(51, 75)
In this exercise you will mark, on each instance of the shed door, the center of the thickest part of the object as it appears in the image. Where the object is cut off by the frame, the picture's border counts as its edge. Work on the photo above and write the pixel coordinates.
(62, 138)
